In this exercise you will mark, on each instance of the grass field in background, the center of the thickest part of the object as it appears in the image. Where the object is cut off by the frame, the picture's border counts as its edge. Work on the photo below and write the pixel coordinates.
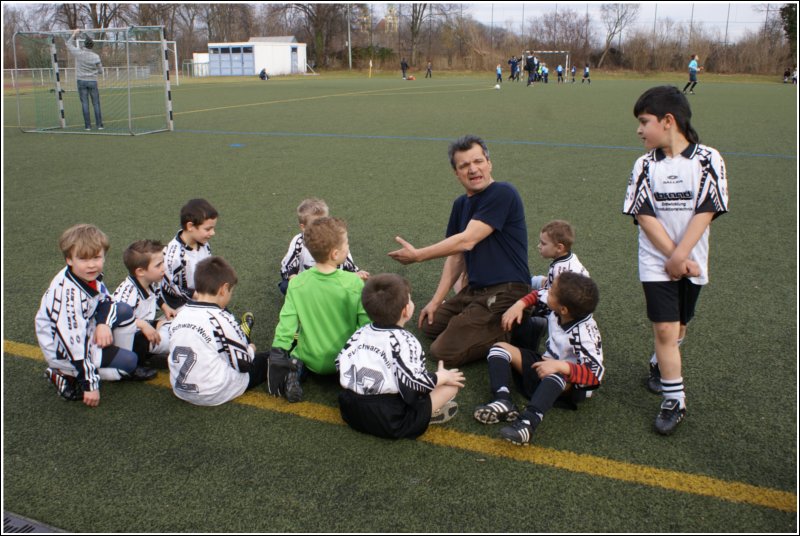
(376, 151)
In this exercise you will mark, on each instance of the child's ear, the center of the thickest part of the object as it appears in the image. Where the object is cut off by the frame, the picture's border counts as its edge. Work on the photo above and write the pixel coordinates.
(139, 272)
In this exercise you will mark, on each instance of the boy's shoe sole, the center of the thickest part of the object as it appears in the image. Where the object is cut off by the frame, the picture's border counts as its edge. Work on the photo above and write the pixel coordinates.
(445, 413)
(248, 320)
(66, 387)
(495, 412)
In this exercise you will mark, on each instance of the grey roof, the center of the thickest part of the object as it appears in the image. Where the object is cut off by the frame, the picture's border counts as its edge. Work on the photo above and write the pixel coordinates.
(275, 39)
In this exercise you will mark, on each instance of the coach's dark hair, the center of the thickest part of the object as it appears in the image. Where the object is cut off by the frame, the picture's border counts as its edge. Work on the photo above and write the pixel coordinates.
(197, 211)
(465, 143)
(578, 293)
(662, 100)
(384, 297)
(213, 272)
(138, 254)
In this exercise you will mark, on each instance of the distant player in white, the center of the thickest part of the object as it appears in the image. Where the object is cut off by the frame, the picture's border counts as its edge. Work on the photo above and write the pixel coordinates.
(674, 192)
(186, 250)
(211, 361)
(141, 290)
(571, 365)
(298, 259)
(75, 321)
(387, 390)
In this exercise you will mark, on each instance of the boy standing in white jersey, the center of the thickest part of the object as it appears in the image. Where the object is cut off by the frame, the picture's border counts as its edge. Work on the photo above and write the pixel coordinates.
(674, 192)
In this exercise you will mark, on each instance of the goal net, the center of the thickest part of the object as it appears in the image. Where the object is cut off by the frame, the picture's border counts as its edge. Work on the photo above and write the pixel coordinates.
(133, 85)
(552, 59)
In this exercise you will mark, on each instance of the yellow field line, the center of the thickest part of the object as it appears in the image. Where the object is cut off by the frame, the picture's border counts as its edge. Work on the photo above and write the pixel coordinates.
(725, 490)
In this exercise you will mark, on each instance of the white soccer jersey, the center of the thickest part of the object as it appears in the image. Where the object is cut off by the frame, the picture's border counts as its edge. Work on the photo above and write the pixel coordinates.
(180, 261)
(378, 361)
(567, 263)
(208, 355)
(299, 259)
(578, 343)
(65, 326)
(143, 301)
(674, 190)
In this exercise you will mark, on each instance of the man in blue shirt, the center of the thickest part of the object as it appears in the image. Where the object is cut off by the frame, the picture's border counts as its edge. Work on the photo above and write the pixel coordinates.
(487, 238)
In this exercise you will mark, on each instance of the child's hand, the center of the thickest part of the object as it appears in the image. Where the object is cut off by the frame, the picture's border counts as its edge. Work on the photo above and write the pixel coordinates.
(169, 312)
(103, 336)
(513, 315)
(150, 333)
(363, 274)
(692, 268)
(549, 366)
(91, 398)
(452, 377)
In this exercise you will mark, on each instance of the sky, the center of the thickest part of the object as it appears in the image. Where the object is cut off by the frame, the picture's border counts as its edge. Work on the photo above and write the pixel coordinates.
(713, 15)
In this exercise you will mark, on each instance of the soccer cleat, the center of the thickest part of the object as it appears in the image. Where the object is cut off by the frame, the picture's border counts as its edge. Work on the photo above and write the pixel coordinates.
(293, 390)
(691, 93)
(519, 433)
(101, 127)
(670, 416)
(654, 379)
(445, 413)
(66, 386)
(141, 374)
(247, 323)
(494, 412)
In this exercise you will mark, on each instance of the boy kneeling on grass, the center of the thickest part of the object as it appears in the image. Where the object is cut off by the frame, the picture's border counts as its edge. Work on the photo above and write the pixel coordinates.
(572, 364)
(387, 390)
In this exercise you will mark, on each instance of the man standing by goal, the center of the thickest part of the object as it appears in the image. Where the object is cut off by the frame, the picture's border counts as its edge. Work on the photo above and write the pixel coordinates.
(87, 67)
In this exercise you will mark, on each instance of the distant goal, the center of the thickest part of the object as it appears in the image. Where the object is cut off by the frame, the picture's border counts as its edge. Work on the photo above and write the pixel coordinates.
(134, 87)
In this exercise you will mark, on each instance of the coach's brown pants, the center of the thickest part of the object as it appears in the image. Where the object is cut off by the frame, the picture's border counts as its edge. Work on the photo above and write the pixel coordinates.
(468, 324)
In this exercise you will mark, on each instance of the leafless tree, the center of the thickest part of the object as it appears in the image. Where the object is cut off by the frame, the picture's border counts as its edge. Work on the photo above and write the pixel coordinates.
(320, 23)
(616, 17)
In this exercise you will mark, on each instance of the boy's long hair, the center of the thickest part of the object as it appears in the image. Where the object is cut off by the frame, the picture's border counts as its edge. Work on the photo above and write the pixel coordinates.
(578, 293)
(465, 143)
(384, 297)
(83, 241)
(213, 272)
(197, 211)
(323, 235)
(662, 100)
(139, 253)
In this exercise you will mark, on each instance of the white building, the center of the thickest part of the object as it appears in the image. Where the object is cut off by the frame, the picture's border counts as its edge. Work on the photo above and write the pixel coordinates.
(278, 55)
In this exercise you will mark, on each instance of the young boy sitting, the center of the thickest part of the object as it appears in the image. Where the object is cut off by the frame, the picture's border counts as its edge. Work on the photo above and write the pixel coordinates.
(298, 258)
(387, 390)
(572, 363)
(555, 242)
(75, 320)
(322, 308)
(211, 361)
(141, 290)
(186, 250)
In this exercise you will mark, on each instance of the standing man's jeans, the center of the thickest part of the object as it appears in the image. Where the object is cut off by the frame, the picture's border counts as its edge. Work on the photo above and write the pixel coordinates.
(88, 88)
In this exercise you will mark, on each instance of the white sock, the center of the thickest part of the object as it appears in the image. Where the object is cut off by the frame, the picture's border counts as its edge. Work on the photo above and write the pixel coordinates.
(674, 389)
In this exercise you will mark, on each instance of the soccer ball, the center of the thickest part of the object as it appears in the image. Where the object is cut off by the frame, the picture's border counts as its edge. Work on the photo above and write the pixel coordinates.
(497, 86)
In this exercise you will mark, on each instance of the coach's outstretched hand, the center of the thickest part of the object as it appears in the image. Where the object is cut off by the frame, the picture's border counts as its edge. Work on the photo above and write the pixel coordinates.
(406, 255)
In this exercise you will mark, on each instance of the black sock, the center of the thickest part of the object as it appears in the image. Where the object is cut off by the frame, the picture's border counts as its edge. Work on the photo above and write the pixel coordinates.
(545, 395)
(499, 373)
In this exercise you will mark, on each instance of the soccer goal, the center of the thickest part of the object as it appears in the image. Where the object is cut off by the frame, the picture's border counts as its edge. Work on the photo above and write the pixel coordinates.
(554, 58)
(134, 85)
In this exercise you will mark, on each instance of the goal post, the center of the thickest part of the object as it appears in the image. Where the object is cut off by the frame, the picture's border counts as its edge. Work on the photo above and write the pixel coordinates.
(134, 90)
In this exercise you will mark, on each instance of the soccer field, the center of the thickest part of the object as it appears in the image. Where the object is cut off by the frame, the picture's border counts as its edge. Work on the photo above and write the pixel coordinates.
(376, 151)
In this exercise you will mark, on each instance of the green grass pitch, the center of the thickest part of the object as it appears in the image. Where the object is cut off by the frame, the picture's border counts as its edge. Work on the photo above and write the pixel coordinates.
(376, 151)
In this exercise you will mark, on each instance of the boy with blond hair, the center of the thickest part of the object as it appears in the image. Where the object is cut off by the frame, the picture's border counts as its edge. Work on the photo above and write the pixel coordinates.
(141, 290)
(211, 360)
(187, 249)
(322, 310)
(75, 321)
(298, 258)
(387, 390)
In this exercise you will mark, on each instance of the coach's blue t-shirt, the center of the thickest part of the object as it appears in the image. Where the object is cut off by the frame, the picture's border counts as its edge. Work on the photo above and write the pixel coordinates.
(501, 257)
